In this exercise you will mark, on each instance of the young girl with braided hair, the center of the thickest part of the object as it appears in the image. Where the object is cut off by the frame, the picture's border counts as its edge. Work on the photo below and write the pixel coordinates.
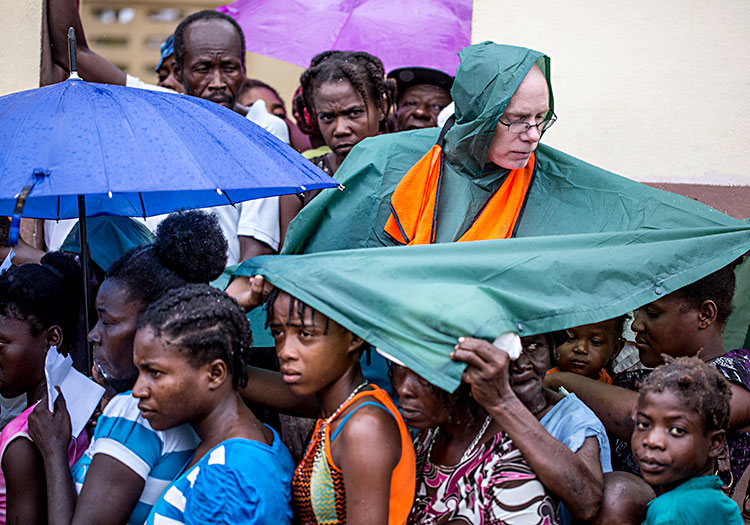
(680, 430)
(359, 466)
(39, 309)
(191, 349)
(128, 463)
(348, 97)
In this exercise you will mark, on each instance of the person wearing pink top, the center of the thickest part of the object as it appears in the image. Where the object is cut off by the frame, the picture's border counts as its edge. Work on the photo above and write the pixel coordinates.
(40, 306)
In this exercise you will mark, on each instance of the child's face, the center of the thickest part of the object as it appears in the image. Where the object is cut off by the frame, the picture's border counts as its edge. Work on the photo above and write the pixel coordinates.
(589, 348)
(670, 442)
(21, 356)
(312, 355)
(666, 326)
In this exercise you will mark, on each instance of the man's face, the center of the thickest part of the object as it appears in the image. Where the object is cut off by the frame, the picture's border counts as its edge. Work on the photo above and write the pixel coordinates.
(212, 63)
(419, 106)
(530, 103)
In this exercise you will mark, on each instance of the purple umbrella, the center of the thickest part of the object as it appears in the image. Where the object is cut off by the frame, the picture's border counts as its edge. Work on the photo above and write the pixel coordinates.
(425, 33)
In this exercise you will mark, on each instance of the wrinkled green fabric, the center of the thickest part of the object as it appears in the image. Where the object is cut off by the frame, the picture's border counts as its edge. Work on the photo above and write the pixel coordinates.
(590, 245)
(109, 236)
(413, 302)
(568, 196)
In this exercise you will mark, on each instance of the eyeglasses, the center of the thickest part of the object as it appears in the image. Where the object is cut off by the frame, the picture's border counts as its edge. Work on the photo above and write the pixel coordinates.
(521, 126)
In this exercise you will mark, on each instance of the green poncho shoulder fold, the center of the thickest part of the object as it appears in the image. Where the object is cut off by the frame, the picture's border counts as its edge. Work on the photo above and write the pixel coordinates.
(590, 245)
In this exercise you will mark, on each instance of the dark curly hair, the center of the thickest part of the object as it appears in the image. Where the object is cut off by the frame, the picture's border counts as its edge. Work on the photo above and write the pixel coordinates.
(252, 83)
(190, 247)
(365, 73)
(698, 385)
(301, 308)
(294, 304)
(206, 323)
(206, 14)
(44, 295)
(717, 287)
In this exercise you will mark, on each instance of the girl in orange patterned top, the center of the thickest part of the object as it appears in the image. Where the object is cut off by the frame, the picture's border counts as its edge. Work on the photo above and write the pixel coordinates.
(359, 466)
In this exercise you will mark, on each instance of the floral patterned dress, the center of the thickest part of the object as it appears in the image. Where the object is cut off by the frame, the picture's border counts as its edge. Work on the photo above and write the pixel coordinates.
(494, 485)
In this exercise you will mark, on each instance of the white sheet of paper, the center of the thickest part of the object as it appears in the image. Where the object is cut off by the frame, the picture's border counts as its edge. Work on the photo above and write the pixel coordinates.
(8, 262)
(81, 394)
(511, 343)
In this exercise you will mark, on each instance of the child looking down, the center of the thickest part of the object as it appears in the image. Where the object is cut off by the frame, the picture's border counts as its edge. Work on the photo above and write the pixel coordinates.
(590, 348)
(681, 421)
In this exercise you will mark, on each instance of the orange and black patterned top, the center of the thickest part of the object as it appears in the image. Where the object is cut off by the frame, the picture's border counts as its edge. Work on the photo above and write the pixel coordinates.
(318, 492)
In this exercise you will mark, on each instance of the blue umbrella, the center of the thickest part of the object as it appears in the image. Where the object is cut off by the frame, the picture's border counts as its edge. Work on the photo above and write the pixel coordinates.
(76, 148)
(136, 152)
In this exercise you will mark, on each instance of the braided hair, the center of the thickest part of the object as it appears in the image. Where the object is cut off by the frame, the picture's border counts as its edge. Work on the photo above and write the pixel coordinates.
(294, 304)
(206, 323)
(44, 295)
(300, 308)
(364, 71)
(696, 384)
(190, 247)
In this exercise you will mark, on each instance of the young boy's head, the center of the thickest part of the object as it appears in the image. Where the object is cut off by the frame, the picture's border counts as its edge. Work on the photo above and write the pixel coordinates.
(688, 319)
(681, 418)
(590, 347)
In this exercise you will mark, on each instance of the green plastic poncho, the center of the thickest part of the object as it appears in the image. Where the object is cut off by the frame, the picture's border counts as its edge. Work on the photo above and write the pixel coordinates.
(590, 245)
(567, 196)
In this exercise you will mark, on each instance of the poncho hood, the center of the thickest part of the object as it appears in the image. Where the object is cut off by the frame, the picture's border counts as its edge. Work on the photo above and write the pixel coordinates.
(486, 79)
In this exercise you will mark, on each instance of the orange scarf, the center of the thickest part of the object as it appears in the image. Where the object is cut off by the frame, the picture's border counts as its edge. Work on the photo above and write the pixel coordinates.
(412, 219)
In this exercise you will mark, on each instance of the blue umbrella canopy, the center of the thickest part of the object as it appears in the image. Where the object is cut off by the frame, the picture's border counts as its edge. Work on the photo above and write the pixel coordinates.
(136, 152)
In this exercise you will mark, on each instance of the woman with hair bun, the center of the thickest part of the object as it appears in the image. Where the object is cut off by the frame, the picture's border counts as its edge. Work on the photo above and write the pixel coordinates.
(39, 309)
(128, 463)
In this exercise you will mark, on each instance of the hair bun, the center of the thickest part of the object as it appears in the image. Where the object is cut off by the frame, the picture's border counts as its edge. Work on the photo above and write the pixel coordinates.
(192, 245)
(67, 269)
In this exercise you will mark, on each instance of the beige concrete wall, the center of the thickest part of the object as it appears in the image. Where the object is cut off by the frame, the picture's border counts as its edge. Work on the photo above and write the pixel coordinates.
(656, 91)
(20, 41)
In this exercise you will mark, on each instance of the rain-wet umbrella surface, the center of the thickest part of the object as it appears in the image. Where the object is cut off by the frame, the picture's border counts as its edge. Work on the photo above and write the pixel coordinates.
(77, 148)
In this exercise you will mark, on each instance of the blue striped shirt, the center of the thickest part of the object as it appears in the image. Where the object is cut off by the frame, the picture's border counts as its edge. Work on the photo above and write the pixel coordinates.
(239, 481)
(156, 456)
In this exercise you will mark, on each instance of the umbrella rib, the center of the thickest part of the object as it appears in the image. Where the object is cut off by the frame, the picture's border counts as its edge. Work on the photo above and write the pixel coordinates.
(99, 135)
(208, 131)
(9, 149)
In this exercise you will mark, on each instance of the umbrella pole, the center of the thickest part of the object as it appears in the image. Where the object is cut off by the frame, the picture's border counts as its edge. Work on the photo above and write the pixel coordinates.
(86, 266)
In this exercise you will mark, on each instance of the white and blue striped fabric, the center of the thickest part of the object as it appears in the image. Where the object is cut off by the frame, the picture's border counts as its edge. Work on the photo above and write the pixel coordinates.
(156, 456)
(239, 481)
